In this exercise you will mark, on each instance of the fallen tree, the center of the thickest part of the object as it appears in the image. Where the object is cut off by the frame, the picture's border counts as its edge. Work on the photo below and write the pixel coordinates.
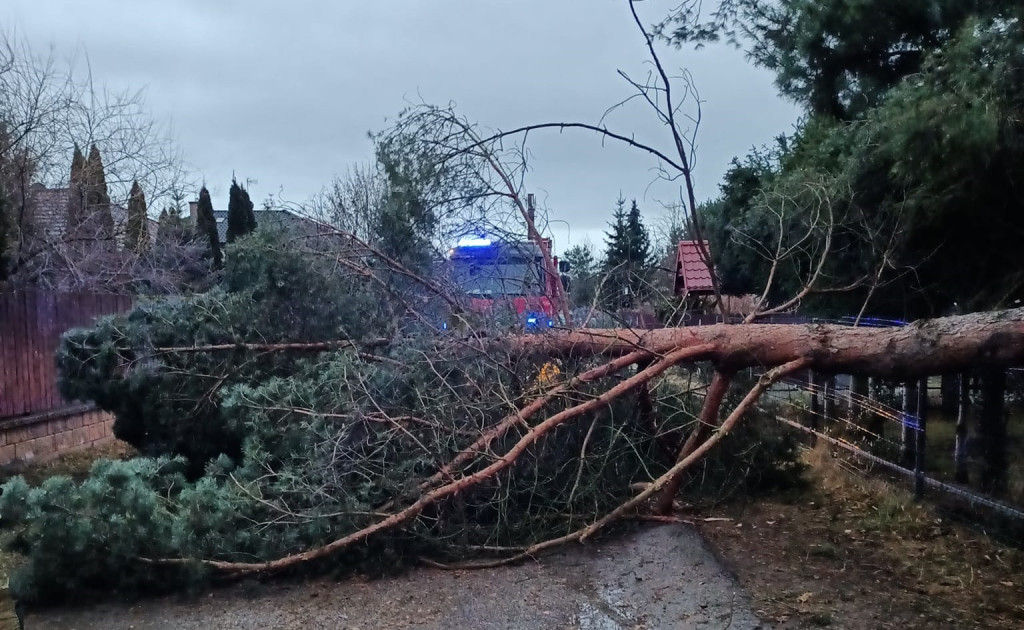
(936, 346)
(437, 447)
(334, 407)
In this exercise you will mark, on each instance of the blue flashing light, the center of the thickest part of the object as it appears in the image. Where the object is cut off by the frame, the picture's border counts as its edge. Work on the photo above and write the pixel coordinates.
(531, 320)
(474, 242)
(551, 324)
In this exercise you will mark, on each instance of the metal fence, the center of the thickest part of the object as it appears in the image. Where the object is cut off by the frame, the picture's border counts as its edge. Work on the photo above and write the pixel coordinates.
(31, 324)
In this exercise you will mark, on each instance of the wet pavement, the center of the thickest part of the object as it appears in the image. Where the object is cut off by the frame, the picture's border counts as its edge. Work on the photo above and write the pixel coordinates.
(654, 577)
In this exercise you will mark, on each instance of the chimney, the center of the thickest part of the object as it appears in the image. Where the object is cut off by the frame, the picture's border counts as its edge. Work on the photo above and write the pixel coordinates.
(193, 211)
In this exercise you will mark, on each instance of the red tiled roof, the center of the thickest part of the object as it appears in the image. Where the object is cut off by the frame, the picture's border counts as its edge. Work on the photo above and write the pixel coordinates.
(692, 274)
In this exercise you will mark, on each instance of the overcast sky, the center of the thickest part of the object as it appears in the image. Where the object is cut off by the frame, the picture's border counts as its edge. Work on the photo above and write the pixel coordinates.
(285, 92)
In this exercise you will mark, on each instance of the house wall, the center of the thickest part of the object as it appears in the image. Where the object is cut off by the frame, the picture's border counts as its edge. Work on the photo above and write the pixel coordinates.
(43, 436)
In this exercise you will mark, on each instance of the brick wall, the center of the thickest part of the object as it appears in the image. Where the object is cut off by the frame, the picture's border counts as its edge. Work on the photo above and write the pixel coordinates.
(43, 436)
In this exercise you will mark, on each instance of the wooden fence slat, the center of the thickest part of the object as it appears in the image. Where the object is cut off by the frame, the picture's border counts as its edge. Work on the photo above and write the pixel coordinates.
(6, 358)
(31, 353)
(31, 325)
(22, 350)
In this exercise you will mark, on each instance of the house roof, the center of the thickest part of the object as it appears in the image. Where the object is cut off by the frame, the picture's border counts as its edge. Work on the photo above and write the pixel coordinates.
(50, 212)
(692, 272)
(49, 209)
(262, 216)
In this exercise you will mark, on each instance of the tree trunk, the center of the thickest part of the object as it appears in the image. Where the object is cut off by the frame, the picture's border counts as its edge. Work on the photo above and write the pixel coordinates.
(706, 423)
(993, 432)
(960, 473)
(927, 347)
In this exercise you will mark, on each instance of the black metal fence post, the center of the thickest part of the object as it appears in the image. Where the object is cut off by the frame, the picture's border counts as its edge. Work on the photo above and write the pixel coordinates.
(921, 438)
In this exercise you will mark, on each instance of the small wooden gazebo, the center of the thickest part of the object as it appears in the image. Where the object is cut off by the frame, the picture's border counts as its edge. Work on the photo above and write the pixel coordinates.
(693, 275)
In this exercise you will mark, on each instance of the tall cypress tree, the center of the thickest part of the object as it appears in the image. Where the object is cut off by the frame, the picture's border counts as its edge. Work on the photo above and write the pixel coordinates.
(137, 228)
(206, 226)
(97, 197)
(237, 219)
(241, 216)
(250, 212)
(76, 193)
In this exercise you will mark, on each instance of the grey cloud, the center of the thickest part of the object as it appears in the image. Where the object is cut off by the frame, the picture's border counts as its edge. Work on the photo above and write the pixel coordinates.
(285, 92)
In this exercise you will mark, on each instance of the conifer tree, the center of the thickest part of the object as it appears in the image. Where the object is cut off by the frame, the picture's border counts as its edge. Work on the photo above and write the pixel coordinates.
(627, 260)
(206, 226)
(238, 217)
(76, 193)
(250, 212)
(137, 227)
(97, 198)
(171, 228)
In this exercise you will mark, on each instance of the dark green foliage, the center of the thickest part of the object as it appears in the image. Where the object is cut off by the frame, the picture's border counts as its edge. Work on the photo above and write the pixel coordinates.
(308, 477)
(627, 259)
(206, 227)
(169, 403)
(98, 218)
(172, 228)
(136, 234)
(241, 216)
(91, 535)
(728, 224)
(583, 273)
(76, 192)
(836, 57)
(919, 188)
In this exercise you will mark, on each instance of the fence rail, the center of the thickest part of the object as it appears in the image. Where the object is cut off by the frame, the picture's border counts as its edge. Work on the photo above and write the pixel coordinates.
(31, 324)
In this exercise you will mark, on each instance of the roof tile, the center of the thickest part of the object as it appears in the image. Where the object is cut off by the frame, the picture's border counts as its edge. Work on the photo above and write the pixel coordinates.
(692, 274)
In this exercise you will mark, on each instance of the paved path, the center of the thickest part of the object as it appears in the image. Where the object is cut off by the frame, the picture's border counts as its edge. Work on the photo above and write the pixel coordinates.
(656, 577)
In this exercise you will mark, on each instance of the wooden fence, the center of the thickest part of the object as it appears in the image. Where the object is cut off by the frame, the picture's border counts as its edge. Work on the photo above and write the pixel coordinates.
(31, 324)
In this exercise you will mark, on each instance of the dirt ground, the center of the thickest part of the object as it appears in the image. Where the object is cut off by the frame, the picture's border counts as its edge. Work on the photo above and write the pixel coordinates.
(657, 576)
(856, 552)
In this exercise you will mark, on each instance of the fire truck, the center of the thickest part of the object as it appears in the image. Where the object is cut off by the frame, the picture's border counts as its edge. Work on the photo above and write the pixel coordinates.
(508, 278)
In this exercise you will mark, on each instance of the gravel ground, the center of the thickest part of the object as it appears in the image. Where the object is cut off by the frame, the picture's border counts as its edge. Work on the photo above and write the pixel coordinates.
(655, 577)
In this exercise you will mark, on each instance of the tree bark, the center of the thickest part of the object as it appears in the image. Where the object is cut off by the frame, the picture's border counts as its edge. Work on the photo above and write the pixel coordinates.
(927, 347)
(707, 421)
